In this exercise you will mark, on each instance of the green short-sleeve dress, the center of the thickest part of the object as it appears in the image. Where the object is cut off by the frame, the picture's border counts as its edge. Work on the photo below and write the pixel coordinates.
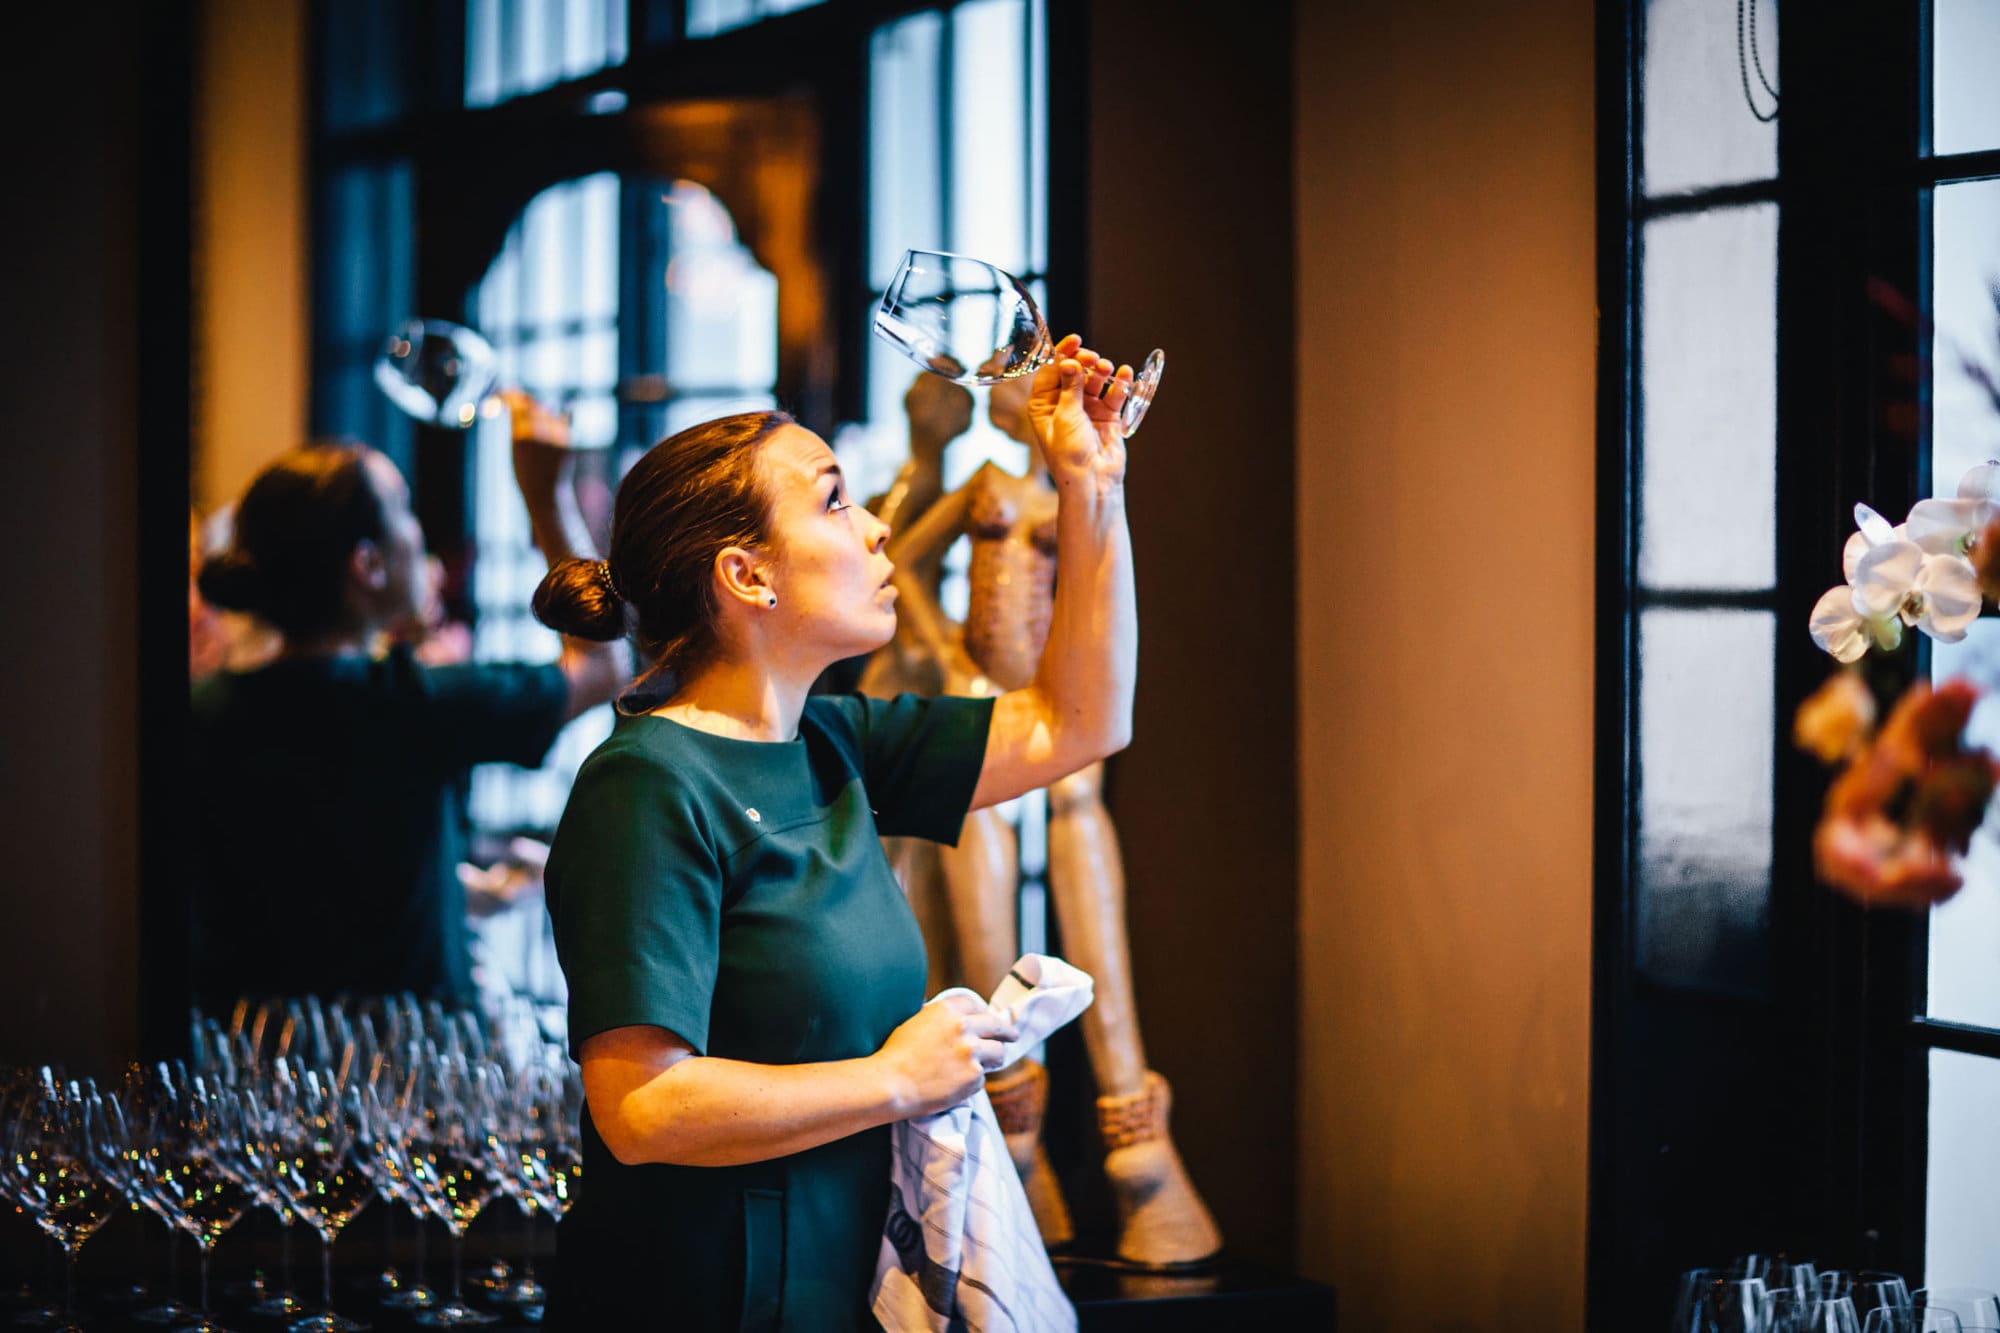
(735, 893)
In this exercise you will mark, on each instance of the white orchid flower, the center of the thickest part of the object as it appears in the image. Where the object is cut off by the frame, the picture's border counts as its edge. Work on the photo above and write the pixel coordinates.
(1893, 581)
(1939, 594)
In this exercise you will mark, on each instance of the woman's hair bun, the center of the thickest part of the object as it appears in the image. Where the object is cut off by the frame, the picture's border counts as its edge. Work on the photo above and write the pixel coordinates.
(577, 598)
(232, 580)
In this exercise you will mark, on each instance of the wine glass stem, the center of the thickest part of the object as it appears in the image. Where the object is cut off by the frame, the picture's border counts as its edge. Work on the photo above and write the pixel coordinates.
(69, 1282)
(457, 1256)
(285, 1254)
(528, 1250)
(204, 1278)
(420, 1252)
(326, 1269)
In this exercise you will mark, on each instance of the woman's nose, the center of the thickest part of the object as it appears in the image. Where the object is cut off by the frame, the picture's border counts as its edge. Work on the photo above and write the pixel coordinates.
(881, 537)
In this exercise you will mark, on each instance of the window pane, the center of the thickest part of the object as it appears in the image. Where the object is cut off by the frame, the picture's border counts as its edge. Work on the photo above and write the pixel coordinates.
(1705, 736)
(1700, 130)
(1961, 1240)
(1708, 376)
(1964, 984)
(905, 162)
(1965, 272)
(1965, 97)
(990, 129)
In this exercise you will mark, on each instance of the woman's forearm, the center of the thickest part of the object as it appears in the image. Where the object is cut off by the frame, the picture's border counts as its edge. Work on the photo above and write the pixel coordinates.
(1088, 668)
(705, 1111)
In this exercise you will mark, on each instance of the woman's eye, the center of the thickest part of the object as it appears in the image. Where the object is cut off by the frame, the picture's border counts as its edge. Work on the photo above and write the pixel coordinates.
(834, 504)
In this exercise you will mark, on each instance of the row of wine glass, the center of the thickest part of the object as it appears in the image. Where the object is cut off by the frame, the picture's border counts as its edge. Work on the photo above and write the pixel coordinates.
(1781, 1294)
(311, 1110)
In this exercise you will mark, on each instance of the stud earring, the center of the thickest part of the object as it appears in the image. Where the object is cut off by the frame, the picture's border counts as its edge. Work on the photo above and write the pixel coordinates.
(772, 601)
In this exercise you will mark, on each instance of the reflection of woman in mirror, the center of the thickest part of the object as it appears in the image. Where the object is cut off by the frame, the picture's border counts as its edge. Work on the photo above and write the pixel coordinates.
(1011, 522)
(746, 983)
(326, 780)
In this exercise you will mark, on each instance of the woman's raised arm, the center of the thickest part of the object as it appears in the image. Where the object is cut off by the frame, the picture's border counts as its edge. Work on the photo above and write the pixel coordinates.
(1079, 707)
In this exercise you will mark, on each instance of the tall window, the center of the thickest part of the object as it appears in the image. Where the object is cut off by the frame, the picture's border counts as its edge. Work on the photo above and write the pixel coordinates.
(957, 161)
(1775, 1067)
(1964, 303)
(514, 47)
(1704, 453)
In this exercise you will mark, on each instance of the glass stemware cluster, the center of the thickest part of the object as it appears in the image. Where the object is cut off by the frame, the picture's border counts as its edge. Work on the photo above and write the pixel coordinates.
(311, 1110)
(1777, 1294)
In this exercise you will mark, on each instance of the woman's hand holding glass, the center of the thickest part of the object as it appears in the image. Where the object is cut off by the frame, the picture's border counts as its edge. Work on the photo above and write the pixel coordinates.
(1074, 406)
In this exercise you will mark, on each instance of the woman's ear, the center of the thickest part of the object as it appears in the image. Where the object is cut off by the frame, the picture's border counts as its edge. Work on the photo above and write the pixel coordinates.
(741, 575)
(366, 566)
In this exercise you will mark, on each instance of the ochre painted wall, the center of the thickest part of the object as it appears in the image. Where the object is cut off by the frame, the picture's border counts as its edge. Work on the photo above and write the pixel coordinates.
(252, 324)
(1445, 352)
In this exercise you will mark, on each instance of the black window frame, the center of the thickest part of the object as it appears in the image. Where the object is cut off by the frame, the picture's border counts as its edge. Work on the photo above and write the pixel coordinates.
(1698, 1151)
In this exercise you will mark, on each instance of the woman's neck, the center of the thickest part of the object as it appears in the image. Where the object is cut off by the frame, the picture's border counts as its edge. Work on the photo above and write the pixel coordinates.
(744, 702)
(335, 643)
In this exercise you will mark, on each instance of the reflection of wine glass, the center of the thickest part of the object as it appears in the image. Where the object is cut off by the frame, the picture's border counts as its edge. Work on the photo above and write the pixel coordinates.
(59, 1149)
(437, 371)
(447, 375)
(972, 322)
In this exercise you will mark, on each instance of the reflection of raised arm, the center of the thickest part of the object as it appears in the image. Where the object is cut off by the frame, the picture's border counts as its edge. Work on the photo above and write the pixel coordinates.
(542, 469)
(918, 548)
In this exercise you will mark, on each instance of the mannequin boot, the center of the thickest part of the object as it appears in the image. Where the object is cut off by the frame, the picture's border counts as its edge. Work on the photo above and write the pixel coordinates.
(1020, 1094)
(1162, 1220)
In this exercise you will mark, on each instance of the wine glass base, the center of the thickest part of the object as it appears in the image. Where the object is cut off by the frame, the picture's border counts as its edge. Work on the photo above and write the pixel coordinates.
(455, 1315)
(167, 1312)
(527, 1291)
(325, 1321)
(1144, 385)
(418, 1297)
(279, 1306)
(203, 1324)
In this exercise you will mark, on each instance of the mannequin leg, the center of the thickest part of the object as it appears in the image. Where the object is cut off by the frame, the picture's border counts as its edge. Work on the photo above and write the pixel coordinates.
(1162, 1218)
(982, 877)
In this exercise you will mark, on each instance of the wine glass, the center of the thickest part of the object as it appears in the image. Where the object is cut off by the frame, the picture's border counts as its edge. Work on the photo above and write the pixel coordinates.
(1733, 1305)
(1972, 1305)
(975, 323)
(264, 1170)
(447, 1125)
(201, 1189)
(58, 1148)
(1870, 1290)
(323, 1124)
(1911, 1319)
(437, 371)
(1796, 1312)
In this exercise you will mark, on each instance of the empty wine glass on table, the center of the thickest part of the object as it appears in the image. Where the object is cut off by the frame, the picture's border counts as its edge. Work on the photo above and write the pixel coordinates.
(58, 1145)
(1869, 1289)
(324, 1125)
(1911, 1319)
(194, 1135)
(1730, 1305)
(976, 323)
(1795, 1312)
(1974, 1306)
(446, 1132)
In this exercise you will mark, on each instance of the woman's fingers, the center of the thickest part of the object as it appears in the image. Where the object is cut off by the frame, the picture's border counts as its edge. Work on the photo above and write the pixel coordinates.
(987, 1023)
(989, 1054)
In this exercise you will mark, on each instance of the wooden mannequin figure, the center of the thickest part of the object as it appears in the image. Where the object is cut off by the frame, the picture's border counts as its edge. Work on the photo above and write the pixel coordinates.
(939, 412)
(1011, 522)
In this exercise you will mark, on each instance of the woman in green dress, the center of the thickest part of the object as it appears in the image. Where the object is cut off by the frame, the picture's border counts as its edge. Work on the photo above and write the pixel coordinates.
(745, 979)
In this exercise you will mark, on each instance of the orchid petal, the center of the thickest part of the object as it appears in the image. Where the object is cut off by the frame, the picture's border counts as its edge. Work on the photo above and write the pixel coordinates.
(1873, 526)
(1946, 527)
(1850, 555)
(1885, 576)
(1837, 627)
(1951, 595)
(1982, 482)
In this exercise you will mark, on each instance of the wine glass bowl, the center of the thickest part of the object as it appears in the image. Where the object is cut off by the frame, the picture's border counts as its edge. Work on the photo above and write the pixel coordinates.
(975, 323)
(437, 371)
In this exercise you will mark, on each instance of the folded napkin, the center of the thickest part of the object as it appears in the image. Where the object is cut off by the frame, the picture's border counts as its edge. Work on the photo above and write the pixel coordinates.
(960, 1249)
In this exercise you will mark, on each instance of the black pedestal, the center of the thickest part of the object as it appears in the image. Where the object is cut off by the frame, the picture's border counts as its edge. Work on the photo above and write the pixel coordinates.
(1230, 1296)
